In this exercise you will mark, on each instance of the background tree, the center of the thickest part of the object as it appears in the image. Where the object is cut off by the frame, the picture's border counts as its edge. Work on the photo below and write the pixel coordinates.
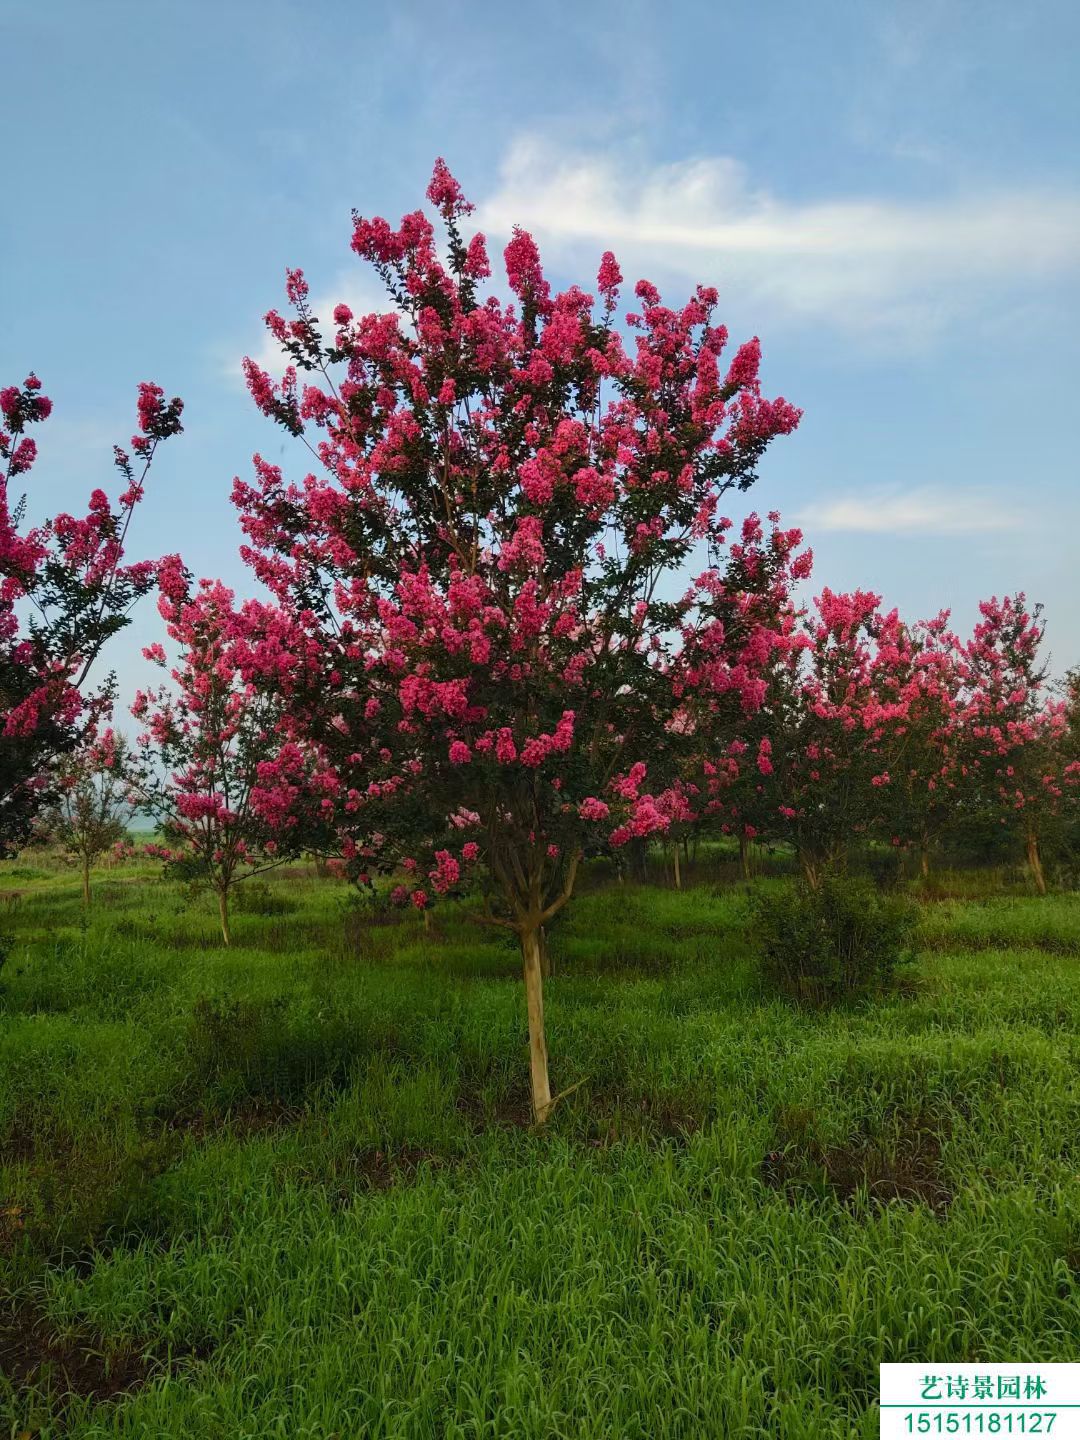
(502, 489)
(927, 678)
(217, 766)
(835, 718)
(1012, 729)
(731, 671)
(64, 591)
(1070, 756)
(92, 807)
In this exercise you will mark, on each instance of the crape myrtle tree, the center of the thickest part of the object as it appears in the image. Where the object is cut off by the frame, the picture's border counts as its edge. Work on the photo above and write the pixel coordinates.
(836, 717)
(216, 764)
(1070, 763)
(500, 487)
(64, 591)
(1015, 733)
(870, 728)
(1070, 691)
(89, 815)
(737, 649)
(926, 768)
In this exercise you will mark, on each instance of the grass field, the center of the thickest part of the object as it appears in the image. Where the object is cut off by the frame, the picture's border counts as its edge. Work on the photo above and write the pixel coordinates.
(289, 1189)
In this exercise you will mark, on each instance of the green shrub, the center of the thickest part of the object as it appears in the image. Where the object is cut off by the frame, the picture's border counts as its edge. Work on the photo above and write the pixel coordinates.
(839, 941)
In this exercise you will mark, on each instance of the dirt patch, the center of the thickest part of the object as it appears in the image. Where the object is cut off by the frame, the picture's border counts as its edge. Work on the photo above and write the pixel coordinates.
(512, 1111)
(35, 1355)
(360, 1171)
(381, 1170)
(910, 1170)
(58, 1154)
(12, 1227)
(254, 1117)
(18, 1145)
(599, 1118)
(78, 1197)
(641, 1119)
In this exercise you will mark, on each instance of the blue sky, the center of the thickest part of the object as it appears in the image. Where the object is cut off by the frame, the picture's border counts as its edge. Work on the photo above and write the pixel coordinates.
(888, 194)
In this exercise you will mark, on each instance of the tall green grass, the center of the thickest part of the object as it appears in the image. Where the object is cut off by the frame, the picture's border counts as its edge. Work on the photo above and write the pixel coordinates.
(295, 1174)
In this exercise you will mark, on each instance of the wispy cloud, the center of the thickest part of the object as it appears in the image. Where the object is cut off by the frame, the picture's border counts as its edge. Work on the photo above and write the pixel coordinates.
(911, 512)
(864, 264)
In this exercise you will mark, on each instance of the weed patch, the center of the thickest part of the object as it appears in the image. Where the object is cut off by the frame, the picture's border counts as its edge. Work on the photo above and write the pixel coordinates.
(504, 1111)
(66, 1194)
(67, 1364)
(909, 1169)
(343, 1177)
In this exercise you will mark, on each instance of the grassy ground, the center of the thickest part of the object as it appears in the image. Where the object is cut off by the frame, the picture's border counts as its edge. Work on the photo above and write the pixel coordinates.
(288, 1190)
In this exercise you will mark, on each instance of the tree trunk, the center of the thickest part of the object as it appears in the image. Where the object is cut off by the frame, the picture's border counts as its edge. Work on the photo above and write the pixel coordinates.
(1034, 860)
(534, 998)
(811, 871)
(545, 955)
(86, 880)
(744, 856)
(427, 919)
(223, 912)
(924, 863)
(678, 872)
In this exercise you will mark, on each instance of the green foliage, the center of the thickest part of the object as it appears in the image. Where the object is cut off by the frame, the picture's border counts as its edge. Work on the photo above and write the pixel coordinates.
(308, 1169)
(837, 941)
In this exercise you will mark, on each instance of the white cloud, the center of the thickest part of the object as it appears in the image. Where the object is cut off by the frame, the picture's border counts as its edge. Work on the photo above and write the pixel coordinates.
(864, 264)
(910, 512)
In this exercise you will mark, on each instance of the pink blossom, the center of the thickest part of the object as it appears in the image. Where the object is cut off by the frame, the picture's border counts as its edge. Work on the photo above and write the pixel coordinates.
(609, 278)
(592, 809)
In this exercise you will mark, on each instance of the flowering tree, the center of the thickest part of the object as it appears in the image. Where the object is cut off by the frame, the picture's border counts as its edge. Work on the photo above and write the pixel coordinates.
(816, 769)
(870, 726)
(1069, 752)
(501, 489)
(867, 726)
(1015, 734)
(218, 767)
(90, 813)
(1070, 688)
(739, 651)
(64, 590)
(925, 680)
